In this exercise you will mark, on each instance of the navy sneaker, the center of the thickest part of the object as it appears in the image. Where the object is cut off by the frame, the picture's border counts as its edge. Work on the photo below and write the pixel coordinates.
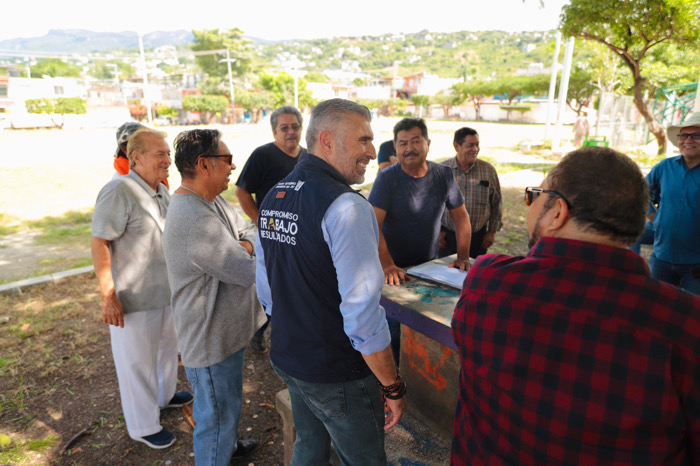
(179, 400)
(158, 441)
(245, 447)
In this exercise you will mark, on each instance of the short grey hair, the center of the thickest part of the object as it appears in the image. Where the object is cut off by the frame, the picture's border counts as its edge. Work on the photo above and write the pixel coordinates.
(329, 114)
(286, 110)
(140, 142)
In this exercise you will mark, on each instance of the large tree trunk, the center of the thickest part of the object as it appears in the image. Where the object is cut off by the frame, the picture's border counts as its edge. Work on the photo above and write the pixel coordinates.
(656, 129)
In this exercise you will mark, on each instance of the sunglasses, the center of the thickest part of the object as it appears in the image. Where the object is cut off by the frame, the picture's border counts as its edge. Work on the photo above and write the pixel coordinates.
(228, 157)
(532, 193)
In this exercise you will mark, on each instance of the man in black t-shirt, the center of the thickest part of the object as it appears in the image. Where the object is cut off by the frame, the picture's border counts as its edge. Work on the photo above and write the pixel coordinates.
(271, 162)
(265, 167)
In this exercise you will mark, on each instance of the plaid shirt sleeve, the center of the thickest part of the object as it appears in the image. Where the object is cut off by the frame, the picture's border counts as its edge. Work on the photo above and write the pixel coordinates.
(574, 354)
(482, 195)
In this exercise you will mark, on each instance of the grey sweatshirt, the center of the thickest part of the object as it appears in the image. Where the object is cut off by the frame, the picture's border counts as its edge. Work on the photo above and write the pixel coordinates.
(212, 279)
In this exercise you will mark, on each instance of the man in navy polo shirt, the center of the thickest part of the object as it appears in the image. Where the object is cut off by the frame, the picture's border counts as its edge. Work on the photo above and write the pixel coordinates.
(318, 272)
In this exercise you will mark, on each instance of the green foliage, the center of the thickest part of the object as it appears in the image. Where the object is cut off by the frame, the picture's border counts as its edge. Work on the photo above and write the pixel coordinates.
(206, 105)
(513, 87)
(581, 89)
(254, 99)
(70, 105)
(420, 99)
(233, 40)
(282, 88)
(21, 452)
(213, 85)
(55, 67)
(42, 105)
(316, 77)
(476, 91)
(632, 30)
(103, 71)
(57, 108)
(166, 111)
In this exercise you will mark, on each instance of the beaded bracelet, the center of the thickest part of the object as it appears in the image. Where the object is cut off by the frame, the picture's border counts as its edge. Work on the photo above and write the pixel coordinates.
(394, 386)
(398, 394)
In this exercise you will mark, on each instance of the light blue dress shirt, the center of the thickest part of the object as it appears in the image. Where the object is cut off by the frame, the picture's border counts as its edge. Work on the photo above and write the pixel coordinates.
(350, 230)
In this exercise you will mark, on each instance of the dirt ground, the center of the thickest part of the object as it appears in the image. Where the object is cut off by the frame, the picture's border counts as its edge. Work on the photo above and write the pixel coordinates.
(58, 383)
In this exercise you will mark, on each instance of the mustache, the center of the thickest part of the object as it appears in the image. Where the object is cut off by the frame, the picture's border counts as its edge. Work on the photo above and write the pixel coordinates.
(414, 153)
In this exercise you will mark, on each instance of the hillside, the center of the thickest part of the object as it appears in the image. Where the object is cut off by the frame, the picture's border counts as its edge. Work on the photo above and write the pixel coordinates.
(478, 54)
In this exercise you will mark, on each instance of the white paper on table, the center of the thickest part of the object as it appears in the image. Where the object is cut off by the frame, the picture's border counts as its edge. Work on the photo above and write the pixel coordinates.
(440, 273)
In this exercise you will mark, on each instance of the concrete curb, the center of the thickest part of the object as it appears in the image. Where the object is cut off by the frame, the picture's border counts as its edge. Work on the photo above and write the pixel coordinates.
(24, 285)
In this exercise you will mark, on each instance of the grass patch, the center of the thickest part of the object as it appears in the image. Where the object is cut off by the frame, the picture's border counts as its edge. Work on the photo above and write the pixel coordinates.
(70, 229)
(20, 452)
(513, 237)
(644, 159)
(53, 265)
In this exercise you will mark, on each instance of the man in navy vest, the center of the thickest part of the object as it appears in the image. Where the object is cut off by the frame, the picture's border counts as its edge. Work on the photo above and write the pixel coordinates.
(318, 271)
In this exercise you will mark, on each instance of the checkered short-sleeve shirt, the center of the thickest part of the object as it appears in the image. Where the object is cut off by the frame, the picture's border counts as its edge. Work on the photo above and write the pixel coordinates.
(574, 354)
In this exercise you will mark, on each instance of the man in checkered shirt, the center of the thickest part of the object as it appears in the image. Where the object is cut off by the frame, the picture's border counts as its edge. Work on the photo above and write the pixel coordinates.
(575, 354)
(478, 181)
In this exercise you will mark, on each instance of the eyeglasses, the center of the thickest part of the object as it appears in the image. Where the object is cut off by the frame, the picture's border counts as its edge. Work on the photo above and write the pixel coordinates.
(285, 128)
(228, 157)
(683, 136)
(532, 193)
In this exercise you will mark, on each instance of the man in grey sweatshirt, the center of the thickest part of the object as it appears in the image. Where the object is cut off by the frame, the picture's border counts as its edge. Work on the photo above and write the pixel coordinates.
(208, 250)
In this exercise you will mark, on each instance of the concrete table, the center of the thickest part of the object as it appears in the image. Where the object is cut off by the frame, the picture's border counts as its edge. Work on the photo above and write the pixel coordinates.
(429, 361)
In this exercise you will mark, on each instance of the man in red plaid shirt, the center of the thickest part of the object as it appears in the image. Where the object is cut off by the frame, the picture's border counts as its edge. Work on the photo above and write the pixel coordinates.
(574, 353)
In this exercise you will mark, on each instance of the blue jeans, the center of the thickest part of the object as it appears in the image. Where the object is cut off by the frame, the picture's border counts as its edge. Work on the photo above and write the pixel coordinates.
(685, 276)
(351, 414)
(218, 391)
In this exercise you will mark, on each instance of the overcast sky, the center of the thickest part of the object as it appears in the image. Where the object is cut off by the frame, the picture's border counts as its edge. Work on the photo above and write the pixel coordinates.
(276, 19)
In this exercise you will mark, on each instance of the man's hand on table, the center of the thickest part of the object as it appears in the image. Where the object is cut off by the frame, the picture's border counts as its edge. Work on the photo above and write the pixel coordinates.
(462, 264)
(394, 275)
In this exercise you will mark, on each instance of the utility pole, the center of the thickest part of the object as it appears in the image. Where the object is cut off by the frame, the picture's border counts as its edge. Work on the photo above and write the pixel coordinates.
(563, 89)
(552, 84)
(228, 61)
(146, 96)
(116, 77)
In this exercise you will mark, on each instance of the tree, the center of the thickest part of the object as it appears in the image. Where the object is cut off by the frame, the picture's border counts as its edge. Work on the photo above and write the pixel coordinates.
(631, 29)
(316, 77)
(515, 87)
(447, 100)
(420, 101)
(581, 89)
(206, 105)
(255, 101)
(57, 108)
(55, 67)
(168, 112)
(103, 71)
(282, 88)
(233, 40)
(477, 91)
